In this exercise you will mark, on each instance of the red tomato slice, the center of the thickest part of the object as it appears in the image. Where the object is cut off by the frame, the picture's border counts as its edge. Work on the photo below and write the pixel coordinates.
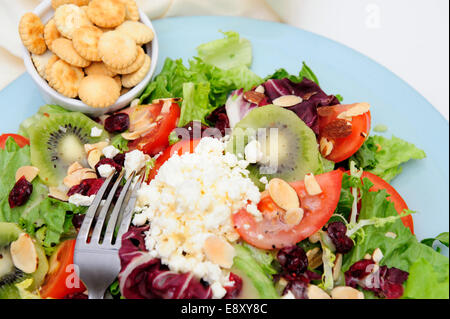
(20, 140)
(159, 120)
(180, 148)
(61, 280)
(271, 232)
(394, 197)
(345, 147)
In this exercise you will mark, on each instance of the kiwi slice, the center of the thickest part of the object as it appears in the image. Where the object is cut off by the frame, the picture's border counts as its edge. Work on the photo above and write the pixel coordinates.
(10, 275)
(57, 141)
(289, 147)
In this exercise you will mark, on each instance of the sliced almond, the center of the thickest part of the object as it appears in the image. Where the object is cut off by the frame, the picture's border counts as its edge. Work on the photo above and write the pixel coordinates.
(166, 107)
(58, 194)
(368, 256)
(23, 254)
(283, 194)
(219, 251)
(254, 97)
(314, 292)
(260, 89)
(74, 167)
(30, 173)
(377, 255)
(293, 216)
(337, 267)
(344, 292)
(287, 100)
(311, 185)
(314, 258)
(390, 234)
(338, 128)
(97, 146)
(94, 157)
(314, 238)
(76, 177)
(355, 110)
(325, 147)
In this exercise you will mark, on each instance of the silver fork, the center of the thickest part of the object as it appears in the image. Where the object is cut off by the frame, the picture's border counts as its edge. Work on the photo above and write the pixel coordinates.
(96, 259)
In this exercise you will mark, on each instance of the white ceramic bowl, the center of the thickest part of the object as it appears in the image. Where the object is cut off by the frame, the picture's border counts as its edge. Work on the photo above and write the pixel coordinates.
(51, 96)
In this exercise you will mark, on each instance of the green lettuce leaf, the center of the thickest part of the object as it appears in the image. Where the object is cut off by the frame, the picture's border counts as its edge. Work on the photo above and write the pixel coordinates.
(442, 238)
(246, 262)
(195, 105)
(305, 72)
(227, 53)
(383, 157)
(425, 283)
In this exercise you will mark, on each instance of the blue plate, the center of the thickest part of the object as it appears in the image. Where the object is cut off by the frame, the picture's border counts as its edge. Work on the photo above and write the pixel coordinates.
(423, 184)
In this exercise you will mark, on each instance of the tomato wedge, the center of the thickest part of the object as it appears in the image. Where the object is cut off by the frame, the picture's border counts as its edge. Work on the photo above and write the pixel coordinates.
(20, 140)
(157, 121)
(345, 147)
(271, 232)
(399, 203)
(61, 280)
(181, 147)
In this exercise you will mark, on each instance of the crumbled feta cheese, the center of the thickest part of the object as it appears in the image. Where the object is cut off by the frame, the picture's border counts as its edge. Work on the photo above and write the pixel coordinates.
(253, 152)
(96, 132)
(264, 180)
(192, 197)
(218, 291)
(105, 170)
(134, 161)
(110, 151)
(81, 200)
(288, 295)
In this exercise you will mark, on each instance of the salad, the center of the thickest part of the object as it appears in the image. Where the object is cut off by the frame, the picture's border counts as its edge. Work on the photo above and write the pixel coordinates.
(254, 188)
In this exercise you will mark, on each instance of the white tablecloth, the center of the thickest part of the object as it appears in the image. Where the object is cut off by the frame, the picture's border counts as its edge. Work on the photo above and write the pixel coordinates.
(409, 37)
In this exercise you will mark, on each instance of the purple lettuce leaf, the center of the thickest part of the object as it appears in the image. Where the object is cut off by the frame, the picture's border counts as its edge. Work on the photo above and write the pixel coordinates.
(237, 107)
(144, 277)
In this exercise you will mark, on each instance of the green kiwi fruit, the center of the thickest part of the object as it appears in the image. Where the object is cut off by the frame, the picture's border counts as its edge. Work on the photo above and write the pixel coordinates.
(57, 141)
(10, 275)
(45, 110)
(294, 154)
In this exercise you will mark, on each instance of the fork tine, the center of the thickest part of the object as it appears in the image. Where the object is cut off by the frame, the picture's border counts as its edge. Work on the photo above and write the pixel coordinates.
(102, 215)
(128, 212)
(90, 214)
(115, 213)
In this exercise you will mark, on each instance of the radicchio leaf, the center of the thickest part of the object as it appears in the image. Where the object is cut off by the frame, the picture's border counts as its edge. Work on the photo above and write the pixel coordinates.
(144, 277)
(237, 107)
(313, 97)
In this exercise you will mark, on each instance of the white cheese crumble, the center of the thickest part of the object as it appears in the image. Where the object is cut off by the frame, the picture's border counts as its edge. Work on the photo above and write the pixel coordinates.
(81, 200)
(134, 161)
(96, 132)
(192, 197)
(253, 153)
(105, 170)
(110, 151)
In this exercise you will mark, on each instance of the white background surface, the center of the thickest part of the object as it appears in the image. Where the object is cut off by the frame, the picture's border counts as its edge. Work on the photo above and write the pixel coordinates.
(409, 37)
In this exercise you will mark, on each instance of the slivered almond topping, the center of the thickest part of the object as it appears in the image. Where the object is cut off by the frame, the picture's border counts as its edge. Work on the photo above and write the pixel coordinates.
(171, 99)
(337, 129)
(23, 254)
(94, 157)
(356, 110)
(346, 293)
(287, 100)
(368, 256)
(99, 146)
(254, 97)
(293, 216)
(74, 167)
(166, 107)
(219, 251)
(311, 185)
(314, 292)
(307, 96)
(30, 173)
(337, 267)
(131, 136)
(314, 238)
(260, 89)
(325, 111)
(325, 146)
(58, 194)
(314, 258)
(283, 194)
(390, 234)
(377, 255)
(77, 176)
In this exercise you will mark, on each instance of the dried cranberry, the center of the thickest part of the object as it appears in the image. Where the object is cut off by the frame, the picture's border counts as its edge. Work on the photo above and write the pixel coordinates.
(108, 161)
(337, 233)
(87, 187)
(220, 120)
(117, 123)
(293, 260)
(95, 185)
(119, 159)
(234, 291)
(20, 193)
(396, 276)
(298, 288)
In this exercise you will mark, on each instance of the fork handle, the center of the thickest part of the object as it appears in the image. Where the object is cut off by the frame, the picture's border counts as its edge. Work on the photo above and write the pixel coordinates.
(94, 294)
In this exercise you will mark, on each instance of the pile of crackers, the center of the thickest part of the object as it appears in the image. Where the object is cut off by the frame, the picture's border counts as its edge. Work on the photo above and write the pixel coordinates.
(90, 49)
